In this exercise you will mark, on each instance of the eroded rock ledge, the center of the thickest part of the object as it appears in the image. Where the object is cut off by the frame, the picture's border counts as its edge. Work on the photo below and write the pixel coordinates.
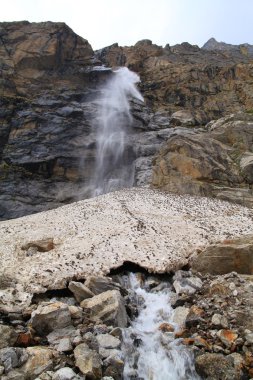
(155, 230)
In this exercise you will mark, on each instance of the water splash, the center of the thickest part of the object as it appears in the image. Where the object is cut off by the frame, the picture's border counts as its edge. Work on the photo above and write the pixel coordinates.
(150, 354)
(113, 166)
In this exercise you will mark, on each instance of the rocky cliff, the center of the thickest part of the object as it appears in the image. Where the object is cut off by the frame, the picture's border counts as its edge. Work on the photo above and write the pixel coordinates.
(50, 82)
(208, 82)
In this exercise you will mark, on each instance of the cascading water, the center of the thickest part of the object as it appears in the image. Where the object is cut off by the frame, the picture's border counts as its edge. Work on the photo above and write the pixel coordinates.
(113, 169)
(149, 353)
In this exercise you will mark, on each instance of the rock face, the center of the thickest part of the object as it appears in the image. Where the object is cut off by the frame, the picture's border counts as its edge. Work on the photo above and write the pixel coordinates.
(146, 227)
(50, 83)
(216, 161)
(209, 82)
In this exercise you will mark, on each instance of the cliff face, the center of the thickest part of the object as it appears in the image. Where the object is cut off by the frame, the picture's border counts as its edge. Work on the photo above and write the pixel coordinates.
(49, 85)
(209, 82)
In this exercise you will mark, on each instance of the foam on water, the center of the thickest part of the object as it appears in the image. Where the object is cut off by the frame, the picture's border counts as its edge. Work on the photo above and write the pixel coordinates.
(156, 356)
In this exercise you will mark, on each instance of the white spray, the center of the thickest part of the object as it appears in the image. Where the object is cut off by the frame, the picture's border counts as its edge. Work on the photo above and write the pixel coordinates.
(157, 356)
(112, 168)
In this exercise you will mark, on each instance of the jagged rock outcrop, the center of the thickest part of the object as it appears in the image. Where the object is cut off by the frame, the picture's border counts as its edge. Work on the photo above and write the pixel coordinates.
(215, 161)
(155, 230)
(210, 82)
(50, 82)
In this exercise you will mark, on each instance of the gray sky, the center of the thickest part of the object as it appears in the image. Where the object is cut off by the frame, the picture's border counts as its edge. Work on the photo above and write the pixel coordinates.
(103, 22)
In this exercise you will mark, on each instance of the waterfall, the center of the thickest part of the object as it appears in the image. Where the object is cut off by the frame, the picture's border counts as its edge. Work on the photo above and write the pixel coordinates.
(149, 353)
(113, 168)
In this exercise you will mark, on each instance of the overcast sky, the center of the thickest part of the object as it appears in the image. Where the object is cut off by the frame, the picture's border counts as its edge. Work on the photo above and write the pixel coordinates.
(103, 22)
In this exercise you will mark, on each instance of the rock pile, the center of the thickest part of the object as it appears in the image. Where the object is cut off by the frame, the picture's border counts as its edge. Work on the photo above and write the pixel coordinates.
(60, 338)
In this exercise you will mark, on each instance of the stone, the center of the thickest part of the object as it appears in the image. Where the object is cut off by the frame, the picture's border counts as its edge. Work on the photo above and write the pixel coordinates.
(88, 361)
(194, 317)
(166, 327)
(228, 337)
(108, 307)
(185, 283)
(11, 358)
(219, 320)
(183, 118)
(76, 312)
(40, 359)
(64, 345)
(114, 367)
(108, 341)
(191, 224)
(50, 317)
(80, 291)
(216, 366)
(100, 284)
(65, 373)
(8, 336)
(225, 257)
(249, 336)
(57, 335)
(179, 315)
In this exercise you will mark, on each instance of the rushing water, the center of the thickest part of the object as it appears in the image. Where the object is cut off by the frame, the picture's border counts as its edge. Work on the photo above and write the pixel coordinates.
(113, 169)
(149, 353)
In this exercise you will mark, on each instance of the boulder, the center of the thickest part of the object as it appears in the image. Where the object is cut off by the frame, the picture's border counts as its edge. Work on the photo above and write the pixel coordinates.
(65, 373)
(107, 307)
(88, 361)
(80, 291)
(179, 315)
(11, 358)
(40, 359)
(184, 282)
(99, 284)
(8, 336)
(233, 255)
(50, 316)
(216, 366)
(108, 341)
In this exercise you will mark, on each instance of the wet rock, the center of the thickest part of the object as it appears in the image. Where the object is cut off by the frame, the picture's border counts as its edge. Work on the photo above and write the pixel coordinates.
(166, 327)
(180, 315)
(11, 358)
(108, 307)
(80, 291)
(88, 361)
(100, 284)
(8, 336)
(227, 256)
(216, 366)
(185, 283)
(40, 359)
(51, 316)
